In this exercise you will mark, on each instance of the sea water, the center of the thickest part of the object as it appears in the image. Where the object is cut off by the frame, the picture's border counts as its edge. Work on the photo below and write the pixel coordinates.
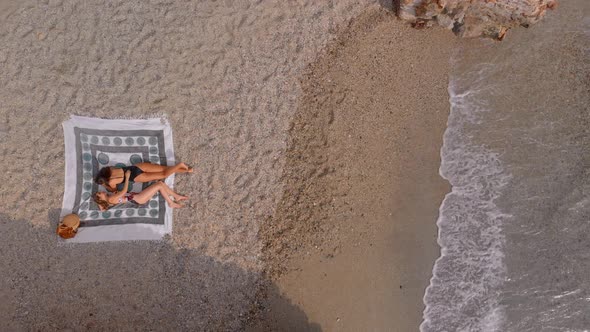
(515, 230)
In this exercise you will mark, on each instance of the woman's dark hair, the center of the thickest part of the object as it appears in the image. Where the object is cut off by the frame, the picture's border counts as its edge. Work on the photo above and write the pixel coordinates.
(103, 176)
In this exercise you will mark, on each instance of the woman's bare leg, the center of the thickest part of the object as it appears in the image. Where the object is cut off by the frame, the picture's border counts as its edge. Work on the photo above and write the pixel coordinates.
(145, 195)
(170, 192)
(150, 173)
(149, 167)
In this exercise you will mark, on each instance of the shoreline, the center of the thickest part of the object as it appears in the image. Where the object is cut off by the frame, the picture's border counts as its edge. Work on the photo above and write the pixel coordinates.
(357, 221)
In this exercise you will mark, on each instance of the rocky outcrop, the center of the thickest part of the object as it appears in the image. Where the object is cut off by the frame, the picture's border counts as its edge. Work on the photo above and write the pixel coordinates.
(473, 18)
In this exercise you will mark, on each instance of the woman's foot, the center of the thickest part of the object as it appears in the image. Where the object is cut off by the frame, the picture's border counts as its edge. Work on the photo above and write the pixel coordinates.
(175, 205)
(186, 168)
(178, 198)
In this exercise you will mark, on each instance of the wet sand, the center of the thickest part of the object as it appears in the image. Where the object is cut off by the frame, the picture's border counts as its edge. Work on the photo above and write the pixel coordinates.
(363, 186)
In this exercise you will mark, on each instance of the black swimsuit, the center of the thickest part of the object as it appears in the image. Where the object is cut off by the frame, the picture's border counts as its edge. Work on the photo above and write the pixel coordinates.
(135, 172)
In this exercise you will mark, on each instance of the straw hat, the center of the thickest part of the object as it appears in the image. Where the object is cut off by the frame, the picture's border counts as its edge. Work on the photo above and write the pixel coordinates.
(68, 227)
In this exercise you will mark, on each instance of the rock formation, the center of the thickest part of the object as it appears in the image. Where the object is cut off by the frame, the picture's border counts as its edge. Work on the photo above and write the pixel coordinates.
(473, 18)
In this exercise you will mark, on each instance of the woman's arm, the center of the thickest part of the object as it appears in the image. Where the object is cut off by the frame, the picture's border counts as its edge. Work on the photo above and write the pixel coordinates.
(109, 188)
(114, 199)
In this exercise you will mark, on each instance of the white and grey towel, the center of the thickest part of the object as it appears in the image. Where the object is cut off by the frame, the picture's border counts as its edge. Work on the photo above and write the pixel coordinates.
(92, 143)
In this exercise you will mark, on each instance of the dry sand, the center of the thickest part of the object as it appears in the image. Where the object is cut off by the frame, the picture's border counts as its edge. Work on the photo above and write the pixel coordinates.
(226, 75)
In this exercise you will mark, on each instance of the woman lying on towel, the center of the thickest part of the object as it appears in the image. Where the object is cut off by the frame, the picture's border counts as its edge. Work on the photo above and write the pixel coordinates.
(105, 201)
(112, 177)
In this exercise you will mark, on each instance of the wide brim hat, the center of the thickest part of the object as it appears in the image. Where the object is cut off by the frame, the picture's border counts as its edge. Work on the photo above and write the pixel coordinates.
(68, 227)
(71, 220)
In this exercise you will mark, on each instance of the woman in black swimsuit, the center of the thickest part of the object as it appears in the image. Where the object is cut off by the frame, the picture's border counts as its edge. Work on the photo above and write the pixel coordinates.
(112, 178)
(105, 201)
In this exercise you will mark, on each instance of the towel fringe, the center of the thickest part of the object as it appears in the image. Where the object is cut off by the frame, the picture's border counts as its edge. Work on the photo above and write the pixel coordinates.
(62, 243)
(163, 117)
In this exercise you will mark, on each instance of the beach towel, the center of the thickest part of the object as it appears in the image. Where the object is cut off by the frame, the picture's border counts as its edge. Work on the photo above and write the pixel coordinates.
(91, 144)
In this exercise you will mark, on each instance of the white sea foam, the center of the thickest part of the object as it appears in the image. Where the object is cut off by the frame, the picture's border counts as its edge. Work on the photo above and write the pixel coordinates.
(464, 290)
(514, 230)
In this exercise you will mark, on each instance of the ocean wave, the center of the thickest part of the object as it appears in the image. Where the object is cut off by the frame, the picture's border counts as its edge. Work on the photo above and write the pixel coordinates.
(464, 291)
(514, 229)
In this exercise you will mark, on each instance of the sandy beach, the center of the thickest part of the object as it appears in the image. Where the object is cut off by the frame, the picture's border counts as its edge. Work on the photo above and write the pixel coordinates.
(314, 128)
(363, 188)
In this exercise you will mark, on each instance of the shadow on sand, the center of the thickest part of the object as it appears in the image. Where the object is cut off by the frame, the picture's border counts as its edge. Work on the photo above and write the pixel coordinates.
(122, 286)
